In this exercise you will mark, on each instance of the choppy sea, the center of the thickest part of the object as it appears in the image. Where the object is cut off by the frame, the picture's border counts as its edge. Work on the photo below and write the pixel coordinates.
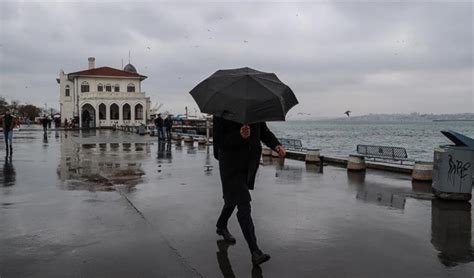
(340, 138)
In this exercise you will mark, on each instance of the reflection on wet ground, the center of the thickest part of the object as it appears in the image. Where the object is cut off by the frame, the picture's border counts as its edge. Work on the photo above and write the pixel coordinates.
(8, 175)
(101, 167)
(93, 202)
(451, 232)
(224, 263)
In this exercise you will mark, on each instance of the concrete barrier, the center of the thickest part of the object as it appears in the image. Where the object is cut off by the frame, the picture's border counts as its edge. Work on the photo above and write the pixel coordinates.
(356, 163)
(312, 156)
(188, 139)
(202, 141)
(422, 171)
(266, 151)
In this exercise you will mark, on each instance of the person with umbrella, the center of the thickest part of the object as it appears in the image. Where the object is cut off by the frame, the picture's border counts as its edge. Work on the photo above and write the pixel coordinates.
(242, 100)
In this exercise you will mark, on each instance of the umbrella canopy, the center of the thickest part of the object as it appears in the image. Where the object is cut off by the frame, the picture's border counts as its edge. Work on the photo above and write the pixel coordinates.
(244, 95)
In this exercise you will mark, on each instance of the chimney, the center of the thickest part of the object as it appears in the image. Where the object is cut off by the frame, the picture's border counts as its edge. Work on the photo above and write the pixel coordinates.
(91, 62)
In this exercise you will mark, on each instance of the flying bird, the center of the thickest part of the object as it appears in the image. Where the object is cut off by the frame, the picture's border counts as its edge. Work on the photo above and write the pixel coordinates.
(246, 41)
(348, 112)
(148, 47)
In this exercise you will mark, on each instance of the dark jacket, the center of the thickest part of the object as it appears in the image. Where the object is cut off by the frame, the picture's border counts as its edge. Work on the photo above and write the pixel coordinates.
(239, 158)
(168, 123)
(159, 122)
(8, 122)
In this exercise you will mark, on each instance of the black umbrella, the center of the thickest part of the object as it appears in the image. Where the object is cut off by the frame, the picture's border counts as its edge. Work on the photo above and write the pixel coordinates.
(244, 95)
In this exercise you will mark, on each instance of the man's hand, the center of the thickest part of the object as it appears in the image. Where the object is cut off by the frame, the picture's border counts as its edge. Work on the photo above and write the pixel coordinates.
(245, 131)
(281, 151)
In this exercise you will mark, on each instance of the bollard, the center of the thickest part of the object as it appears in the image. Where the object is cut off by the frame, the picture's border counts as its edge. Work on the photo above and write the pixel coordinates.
(188, 139)
(202, 141)
(356, 163)
(266, 151)
(312, 156)
(422, 171)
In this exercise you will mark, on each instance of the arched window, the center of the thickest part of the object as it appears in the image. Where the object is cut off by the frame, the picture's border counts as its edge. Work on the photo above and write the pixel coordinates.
(102, 111)
(139, 112)
(130, 88)
(114, 112)
(84, 87)
(108, 88)
(100, 87)
(117, 88)
(126, 112)
(67, 91)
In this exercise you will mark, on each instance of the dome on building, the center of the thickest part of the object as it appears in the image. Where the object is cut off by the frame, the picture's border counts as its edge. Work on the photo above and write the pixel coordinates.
(130, 68)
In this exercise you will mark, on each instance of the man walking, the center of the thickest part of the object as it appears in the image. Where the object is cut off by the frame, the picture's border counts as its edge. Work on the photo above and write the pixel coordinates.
(159, 127)
(8, 125)
(168, 123)
(44, 121)
(238, 149)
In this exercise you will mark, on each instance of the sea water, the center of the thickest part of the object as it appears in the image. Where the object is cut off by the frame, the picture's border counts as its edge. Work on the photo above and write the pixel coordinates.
(340, 138)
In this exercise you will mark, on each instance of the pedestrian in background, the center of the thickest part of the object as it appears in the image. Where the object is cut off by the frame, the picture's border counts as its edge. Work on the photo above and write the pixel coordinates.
(168, 126)
(159, 127)
(8, 125)
(44, 121)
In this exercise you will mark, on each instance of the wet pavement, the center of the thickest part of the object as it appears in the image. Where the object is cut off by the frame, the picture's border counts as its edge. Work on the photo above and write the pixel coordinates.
(115, 204)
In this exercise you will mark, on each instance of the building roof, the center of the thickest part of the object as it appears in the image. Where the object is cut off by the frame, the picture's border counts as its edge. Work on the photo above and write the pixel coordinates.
(106, 71)
(130, 68)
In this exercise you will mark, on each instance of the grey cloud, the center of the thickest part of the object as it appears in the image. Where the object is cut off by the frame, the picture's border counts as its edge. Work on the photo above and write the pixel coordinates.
(332, 54)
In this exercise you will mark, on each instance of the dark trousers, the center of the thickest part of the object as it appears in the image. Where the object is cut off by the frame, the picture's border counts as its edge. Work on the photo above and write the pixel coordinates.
(8, 135)
(161, 134)
(245, 221)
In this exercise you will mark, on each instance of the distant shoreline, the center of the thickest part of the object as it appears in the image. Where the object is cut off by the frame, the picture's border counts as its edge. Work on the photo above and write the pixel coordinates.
(447, 120)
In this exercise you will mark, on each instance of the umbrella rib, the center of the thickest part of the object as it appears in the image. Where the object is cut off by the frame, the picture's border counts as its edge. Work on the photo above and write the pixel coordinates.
(268, 79)
(271, 91)
(217, 92)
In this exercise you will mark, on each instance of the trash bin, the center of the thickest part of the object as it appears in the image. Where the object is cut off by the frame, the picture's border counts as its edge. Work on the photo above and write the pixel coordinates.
(453, 168)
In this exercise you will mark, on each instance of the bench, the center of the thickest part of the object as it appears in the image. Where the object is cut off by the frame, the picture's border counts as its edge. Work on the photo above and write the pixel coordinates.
(385, 153)
(292, 144)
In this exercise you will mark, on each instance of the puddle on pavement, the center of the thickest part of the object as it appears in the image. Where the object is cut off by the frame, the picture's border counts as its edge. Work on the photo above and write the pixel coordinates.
(103, 166)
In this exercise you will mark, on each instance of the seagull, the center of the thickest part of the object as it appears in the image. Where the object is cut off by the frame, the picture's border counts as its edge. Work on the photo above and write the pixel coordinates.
(245, 41)
(209, 30)
(148, 47)
(348, 112)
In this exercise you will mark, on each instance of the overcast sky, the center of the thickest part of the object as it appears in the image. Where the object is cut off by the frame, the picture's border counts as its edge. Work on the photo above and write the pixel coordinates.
(364, 56)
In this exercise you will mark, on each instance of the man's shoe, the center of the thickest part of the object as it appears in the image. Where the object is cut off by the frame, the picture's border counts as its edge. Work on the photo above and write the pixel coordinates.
(226, 234)
(258, 257)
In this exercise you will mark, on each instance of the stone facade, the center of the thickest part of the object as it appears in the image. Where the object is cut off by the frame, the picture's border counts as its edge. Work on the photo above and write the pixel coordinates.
(103, 97)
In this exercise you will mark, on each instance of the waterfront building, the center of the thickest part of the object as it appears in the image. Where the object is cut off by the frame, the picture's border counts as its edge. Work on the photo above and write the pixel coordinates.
(103, 96)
